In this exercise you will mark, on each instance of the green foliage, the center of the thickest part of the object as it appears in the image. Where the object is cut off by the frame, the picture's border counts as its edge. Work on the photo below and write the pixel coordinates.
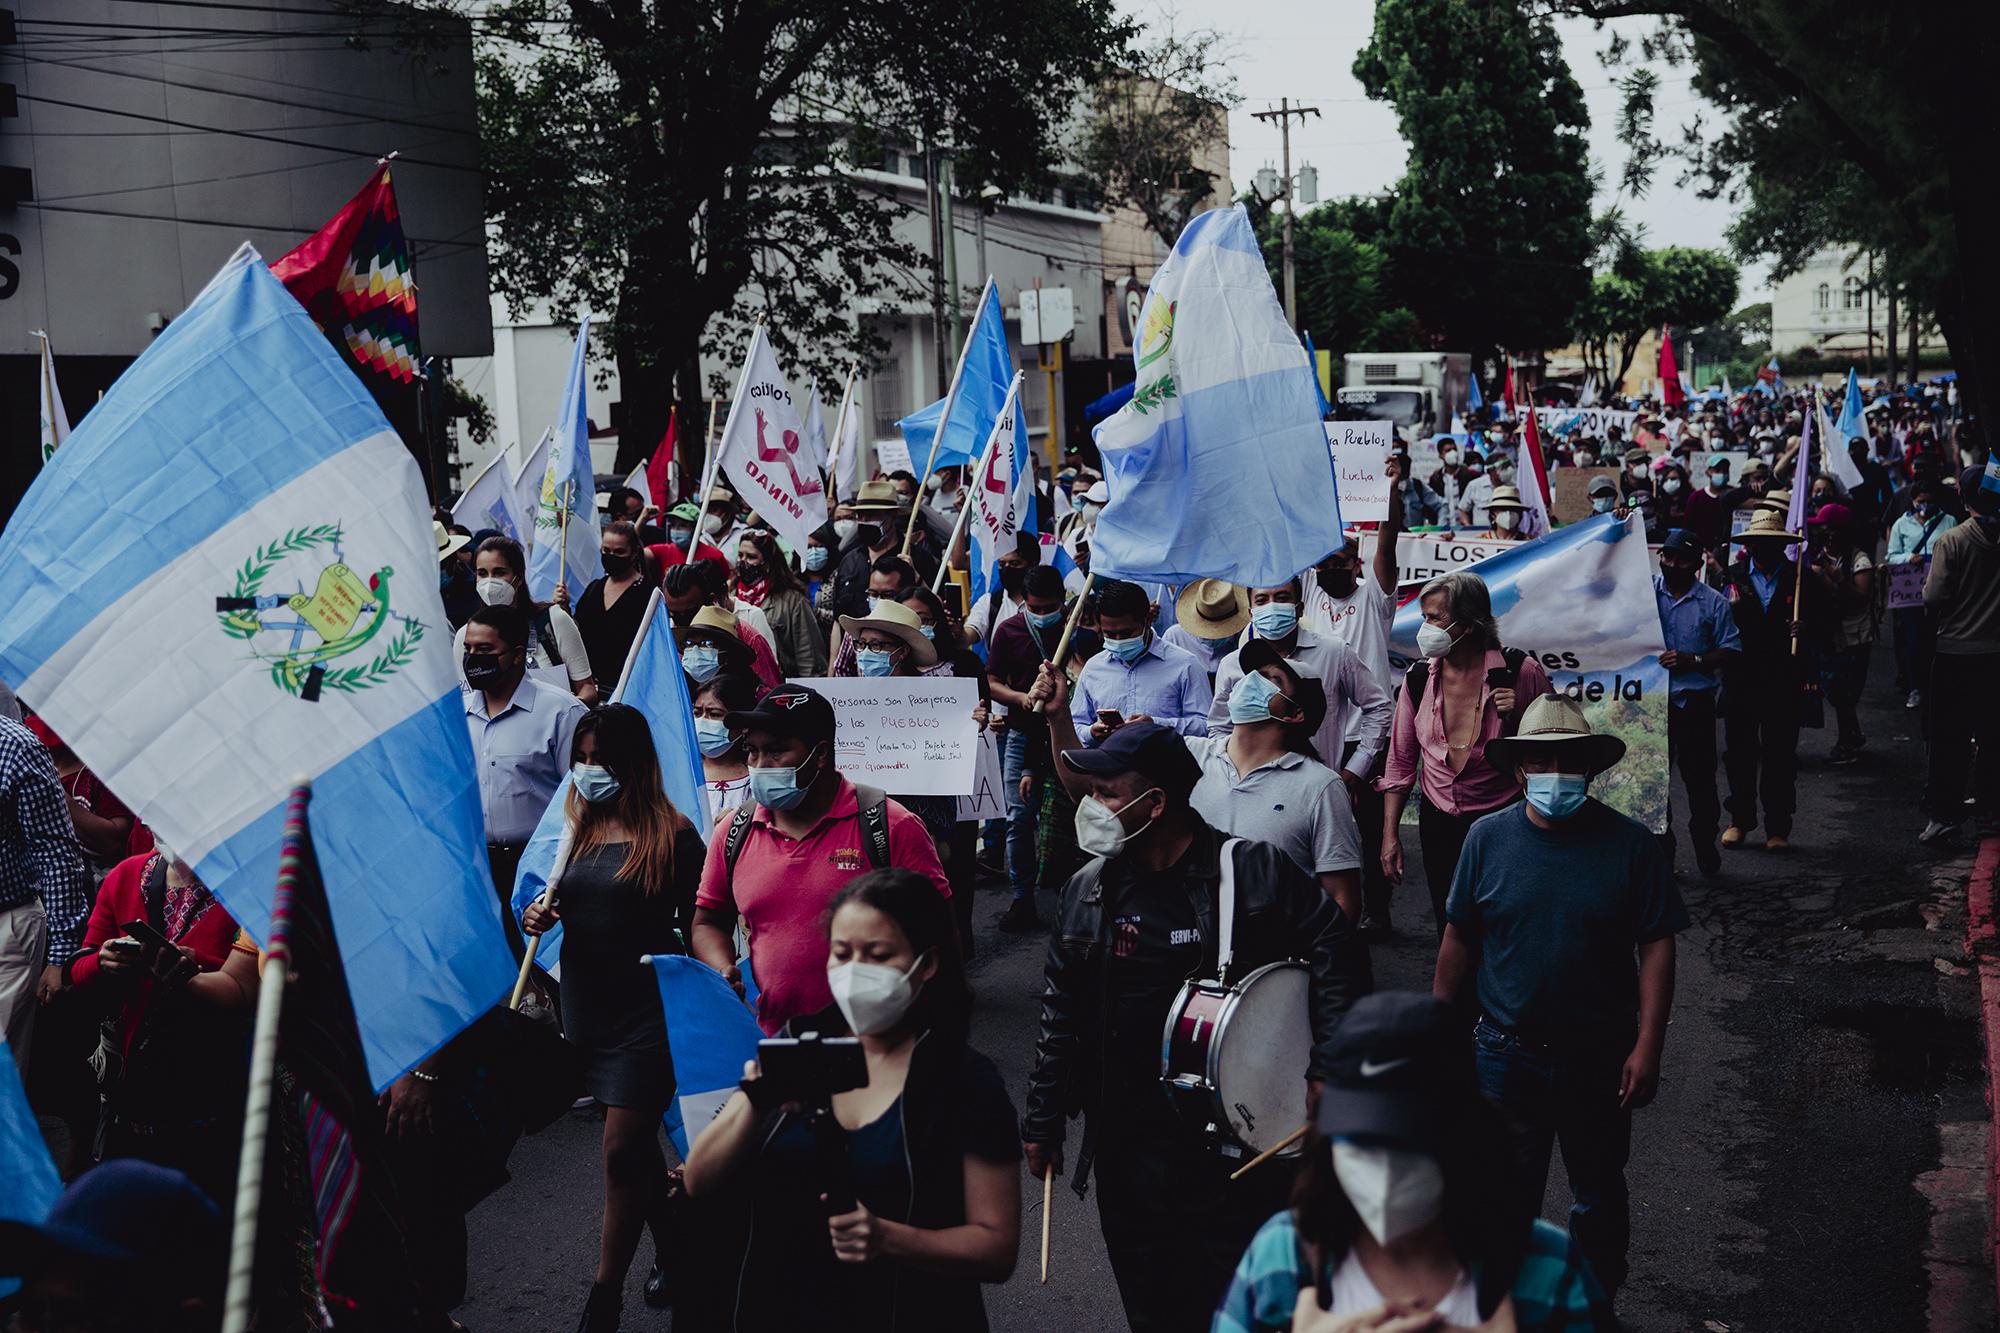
(1346, 285)
(1743, 338)
(1489, 232)
(462, 404)
(1153, 121)
(1646, 289)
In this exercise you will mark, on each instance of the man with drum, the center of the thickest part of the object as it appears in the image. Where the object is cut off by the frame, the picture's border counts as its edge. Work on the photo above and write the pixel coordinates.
(1143, 918)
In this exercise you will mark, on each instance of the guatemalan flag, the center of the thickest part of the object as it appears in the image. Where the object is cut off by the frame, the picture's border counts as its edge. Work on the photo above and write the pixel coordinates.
(1003, 497)
(566, 553)
(712, 1034)
(1218, 467)
(226, 581)
(979, 387)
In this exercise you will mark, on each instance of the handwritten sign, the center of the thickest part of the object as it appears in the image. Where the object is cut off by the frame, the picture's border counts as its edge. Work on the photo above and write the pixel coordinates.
(908, 735)
(1359, 450)
(989, 796)
(894, 456)
(1906, 583)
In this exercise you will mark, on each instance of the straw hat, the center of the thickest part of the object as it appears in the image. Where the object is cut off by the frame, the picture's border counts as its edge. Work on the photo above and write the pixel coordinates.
(1778, 501)
(1213, 608)
(879, 497)
(1556, 719)
(896, 619)
(449, 543)
(716, 626)
(1766, 524)
(1507, 497)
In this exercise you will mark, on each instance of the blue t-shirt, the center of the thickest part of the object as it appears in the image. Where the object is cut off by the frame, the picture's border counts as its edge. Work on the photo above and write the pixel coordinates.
(1558, 915)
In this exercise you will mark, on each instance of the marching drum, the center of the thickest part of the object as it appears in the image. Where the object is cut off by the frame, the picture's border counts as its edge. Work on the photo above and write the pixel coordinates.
(1233, 1058)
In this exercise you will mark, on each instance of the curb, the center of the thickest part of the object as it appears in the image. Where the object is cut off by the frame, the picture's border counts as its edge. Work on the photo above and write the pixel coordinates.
(1982, 938)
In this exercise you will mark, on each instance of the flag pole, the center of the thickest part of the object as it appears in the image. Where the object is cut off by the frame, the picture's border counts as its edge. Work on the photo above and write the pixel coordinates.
(563, 506)
(263, 1067)
(1799, 478)
(839, 434)
(708, 487)
(707, 473)
(965, 506)
(1062, 644)
(944, 415)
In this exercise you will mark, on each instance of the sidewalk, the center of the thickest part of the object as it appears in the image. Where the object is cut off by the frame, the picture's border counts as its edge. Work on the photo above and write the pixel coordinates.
(1982, 933)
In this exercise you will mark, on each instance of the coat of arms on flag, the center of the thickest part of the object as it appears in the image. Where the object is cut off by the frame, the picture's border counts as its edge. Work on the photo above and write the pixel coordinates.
(353, 277)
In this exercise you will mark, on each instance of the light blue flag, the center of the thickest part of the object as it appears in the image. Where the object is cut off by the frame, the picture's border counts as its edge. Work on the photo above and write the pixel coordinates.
(1312, 361)
(711, 1032)
(567, 555)
(1218, 467)
(653, 683)
(489, 501)
(29, 1184)
(982, 388)
(1473, 401)
(1851, 424)
(237, 522)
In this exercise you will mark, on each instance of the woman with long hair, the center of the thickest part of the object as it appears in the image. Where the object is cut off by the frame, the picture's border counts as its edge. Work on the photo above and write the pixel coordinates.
(500, 570)
(930, 1138)
(765, 580)
(725, 773)
(628, 889)
(1407, 1213)
(609, 612)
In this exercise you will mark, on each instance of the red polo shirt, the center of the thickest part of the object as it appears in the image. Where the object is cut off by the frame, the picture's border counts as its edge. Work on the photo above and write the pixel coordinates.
(783, 886)
(670, 555)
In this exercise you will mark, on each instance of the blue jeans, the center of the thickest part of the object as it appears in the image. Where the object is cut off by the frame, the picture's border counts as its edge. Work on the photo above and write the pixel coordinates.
(1568, 1096)
(1020, 817)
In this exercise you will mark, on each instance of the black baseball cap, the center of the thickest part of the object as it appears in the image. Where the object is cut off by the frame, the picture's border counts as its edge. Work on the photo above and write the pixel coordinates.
(124, 1211)
(1141, 747)
(1308, 693)
(1400, 1072)
(1682, 540)
(791, 710)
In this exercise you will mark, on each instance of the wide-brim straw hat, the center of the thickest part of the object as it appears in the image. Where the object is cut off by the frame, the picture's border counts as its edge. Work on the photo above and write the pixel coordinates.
(1766, 523)
(714, 625)
(1555, 719)
(899, 620)
(1213, 608)
(879, 497)
(449, 543)
(1506, 497)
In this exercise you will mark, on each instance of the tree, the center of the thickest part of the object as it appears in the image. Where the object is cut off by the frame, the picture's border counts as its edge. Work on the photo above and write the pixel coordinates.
(1153, 125)
(684, 167)
(1489, 231)
(1744, 338)
(1861, 126)
(1644, 290)
(1345, 284)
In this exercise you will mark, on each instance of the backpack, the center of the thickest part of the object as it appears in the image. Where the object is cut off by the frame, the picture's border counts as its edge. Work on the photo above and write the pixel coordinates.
(1419, 676)
(872, 810)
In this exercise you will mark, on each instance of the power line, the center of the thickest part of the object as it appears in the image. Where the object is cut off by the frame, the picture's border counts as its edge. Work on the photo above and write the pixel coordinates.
(242, 134)
(432, 243)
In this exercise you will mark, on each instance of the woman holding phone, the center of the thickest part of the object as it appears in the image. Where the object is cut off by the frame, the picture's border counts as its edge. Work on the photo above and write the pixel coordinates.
(929, 1140)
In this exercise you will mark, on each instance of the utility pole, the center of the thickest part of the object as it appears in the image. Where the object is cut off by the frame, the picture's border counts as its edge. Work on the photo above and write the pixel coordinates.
(940, 356)
(948, 210)
(1283, 115)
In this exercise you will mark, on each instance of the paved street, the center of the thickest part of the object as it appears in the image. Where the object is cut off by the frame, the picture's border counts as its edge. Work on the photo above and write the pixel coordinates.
(1816, 1158)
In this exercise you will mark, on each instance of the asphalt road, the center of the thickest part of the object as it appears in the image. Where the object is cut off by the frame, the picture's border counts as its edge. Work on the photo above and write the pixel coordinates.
(1820, 1097)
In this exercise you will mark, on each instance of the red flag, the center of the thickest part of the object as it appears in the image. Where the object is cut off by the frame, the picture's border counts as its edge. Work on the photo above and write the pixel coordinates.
(1507, 391)
(1670, 376)
(1531, 445)
(353, 277)
(659, 468)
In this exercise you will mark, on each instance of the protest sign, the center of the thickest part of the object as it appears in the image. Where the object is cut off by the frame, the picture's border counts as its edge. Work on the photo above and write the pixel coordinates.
(1906, 583)
(893, 456)
(1581, 601)
(909, 735)
(1739, 519)
(1738, 460)
(1422, 556)
(1593, 421)
(1573, 490)
(989, 798)
(1359, 450)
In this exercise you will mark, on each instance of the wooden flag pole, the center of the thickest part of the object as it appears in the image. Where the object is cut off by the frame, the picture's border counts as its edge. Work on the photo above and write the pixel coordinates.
(1270, 1152)
(715, 468)
(535, 941)
(563, 504)
(965, 489)
(1069, 628)
(707, 475)
(1799, 478)
(839, 434)
(263, 1067)
(1048, 1198)
(944, 418)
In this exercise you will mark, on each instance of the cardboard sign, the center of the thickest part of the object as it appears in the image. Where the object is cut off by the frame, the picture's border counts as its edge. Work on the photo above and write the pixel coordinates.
(989, 795)
(1573, 490)
(1359, 450)
(1906, 583)
(908, 735)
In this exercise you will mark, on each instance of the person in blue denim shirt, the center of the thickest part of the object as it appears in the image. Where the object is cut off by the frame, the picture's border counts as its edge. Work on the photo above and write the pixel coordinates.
(1552, 900)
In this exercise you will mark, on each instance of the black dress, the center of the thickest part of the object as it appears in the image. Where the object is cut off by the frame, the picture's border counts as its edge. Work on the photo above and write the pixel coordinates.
(608, 632)
(610, 1002)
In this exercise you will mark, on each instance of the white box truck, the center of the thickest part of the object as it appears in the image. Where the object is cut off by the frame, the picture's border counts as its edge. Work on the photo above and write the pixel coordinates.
(1418, 392)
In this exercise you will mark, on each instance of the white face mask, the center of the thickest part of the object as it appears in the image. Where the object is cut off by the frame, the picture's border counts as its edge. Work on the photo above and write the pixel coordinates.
(1433, 640)
(1506, 520)
(845, 528)
(872, 998)
(1671, 485)
(1099, 830)
(496, 592)
(712, 525)
(1395, 1191)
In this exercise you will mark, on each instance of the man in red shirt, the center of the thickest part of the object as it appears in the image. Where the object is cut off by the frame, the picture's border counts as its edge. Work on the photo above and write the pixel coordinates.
(807, 832)
(681, 520)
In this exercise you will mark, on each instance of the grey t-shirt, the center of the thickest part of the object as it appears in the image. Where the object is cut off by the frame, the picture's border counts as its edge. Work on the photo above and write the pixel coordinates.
(1294, 803)
(1558, 915)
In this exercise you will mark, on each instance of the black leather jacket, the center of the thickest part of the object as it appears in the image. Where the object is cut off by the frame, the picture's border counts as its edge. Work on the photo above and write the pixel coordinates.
(1281, 913)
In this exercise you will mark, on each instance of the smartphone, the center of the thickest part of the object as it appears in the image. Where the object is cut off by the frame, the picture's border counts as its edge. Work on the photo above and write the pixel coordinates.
(811, 1068)
(1111, 718)
(151, 941)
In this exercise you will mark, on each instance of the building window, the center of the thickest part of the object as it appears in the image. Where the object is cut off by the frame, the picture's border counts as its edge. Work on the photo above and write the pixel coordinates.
(1850, 294)
(885, 392)
(1823, 297)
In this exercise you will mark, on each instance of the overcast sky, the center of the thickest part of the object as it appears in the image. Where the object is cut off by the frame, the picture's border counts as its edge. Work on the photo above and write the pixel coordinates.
(1304, 49)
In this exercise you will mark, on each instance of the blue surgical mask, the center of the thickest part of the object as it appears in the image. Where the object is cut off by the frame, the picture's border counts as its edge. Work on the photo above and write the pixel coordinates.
(701, 661)
(1557, 795)
(1126, 650)
(778, 788)
(1044, 620)
(875, 661)
(928, 631)
(815, 559)
(594, 783)
(680, 536)
(1274, 620)
(712, 735)
(1603, 504)
(1250, 701)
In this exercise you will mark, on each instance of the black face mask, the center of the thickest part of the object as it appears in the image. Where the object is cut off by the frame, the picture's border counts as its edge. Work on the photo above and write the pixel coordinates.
(1013, 579)
(616, 566)
(1336, 581)
(483, 670)
(748, 573)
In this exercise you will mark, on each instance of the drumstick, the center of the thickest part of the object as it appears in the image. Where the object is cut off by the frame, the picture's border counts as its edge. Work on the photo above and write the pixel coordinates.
(1270, 1152)
(1048, 1197)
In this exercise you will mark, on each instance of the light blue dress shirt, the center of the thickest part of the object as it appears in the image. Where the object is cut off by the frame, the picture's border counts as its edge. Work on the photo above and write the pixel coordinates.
(1168, 684)
(1698, 621)
(523, 753)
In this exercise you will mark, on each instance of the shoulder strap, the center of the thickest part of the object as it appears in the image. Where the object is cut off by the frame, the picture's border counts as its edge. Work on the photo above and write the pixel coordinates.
(153, 890)
(1414, 681)
(1226, 909)
(872, 808)
(1930, 530)
(1514, 657)
(545, 635)
(732, 846)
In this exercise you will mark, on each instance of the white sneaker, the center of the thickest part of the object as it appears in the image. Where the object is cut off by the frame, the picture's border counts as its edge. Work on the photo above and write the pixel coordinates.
(1916, 699)
(1937, 832)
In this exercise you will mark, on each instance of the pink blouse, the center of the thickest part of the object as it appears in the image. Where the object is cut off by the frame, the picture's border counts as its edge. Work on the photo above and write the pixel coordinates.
(1479, 786)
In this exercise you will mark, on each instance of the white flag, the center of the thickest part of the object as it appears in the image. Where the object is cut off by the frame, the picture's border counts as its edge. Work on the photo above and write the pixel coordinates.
(764, 449)
(1588, 398)
(848, 483)
(1833, 455)
(1002, 489)
(55, 420)
(815, 429)
(489, 501)
(527, 485)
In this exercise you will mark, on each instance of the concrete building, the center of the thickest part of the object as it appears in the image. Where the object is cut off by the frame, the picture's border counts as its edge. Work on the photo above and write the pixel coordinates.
(1826, 306)
(156, 140)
